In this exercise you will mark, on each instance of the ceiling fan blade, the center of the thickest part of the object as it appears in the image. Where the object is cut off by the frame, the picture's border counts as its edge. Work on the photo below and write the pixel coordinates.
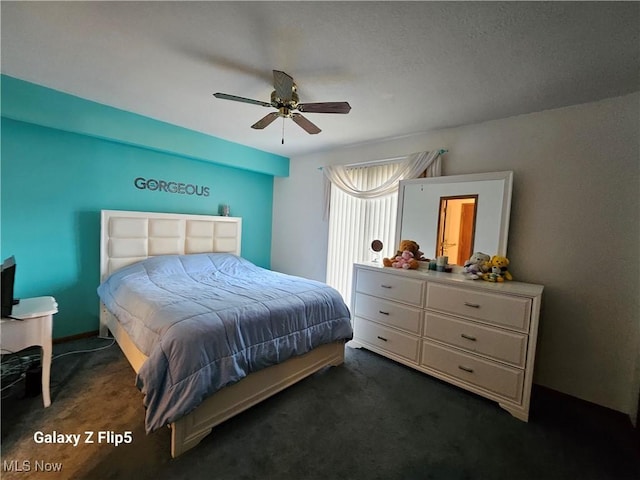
(265, 121)
(283, 85)
(305, 124)
(225, 96)
(325, 107)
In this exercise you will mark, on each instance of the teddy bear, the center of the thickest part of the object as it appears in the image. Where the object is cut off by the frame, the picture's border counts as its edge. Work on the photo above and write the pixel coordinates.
(404, 260)
(477, 265)
(499, 269)
(409, 246)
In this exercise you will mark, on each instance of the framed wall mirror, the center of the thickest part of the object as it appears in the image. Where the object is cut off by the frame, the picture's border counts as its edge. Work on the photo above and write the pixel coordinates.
(456, 215)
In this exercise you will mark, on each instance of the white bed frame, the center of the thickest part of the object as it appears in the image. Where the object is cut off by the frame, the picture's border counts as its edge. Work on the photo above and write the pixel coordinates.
(128, 237)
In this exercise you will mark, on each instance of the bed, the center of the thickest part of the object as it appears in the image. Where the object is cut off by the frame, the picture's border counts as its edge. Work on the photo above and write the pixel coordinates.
(171, 258)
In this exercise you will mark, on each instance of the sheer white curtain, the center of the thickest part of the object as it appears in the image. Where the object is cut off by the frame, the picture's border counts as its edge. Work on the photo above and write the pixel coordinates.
(361, 205)
(412, 167)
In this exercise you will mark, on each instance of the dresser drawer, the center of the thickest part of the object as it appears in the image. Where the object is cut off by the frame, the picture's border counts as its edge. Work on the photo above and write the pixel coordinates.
(485, 374)
(505, 310)
(393, 287)
(387, 339)
(502, 345)
(390, 313)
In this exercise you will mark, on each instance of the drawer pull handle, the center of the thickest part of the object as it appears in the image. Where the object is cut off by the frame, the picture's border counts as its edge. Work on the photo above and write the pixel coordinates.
(385, 286)
(383, 313)
(382, 338)
(472, 305)
(466, 369)
(468, 337)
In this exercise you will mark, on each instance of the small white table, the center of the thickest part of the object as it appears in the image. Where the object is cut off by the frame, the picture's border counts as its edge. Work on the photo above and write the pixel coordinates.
(32, 324)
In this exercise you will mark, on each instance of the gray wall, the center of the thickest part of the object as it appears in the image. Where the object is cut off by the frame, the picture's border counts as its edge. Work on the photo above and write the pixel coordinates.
(574, 229)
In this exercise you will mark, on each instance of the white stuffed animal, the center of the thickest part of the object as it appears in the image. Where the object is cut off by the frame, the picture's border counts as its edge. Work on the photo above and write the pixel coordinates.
(477, 265)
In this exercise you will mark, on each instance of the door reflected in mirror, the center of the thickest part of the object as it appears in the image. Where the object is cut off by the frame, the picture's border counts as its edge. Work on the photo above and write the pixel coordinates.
(456, 228)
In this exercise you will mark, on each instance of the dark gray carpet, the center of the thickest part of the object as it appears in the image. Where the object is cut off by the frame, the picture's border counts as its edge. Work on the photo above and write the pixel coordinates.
(367, 419)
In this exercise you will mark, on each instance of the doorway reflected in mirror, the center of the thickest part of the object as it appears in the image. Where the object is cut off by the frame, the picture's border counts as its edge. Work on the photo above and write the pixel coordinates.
(456, 227)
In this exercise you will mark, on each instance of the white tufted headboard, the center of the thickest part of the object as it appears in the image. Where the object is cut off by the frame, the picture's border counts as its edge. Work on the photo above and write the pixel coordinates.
(128, 237)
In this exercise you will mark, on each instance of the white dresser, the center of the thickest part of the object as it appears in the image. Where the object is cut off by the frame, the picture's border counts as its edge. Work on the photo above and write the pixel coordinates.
(478, 335)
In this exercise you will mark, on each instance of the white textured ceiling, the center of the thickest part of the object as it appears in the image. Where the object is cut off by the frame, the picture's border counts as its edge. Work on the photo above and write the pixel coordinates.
(405, 67)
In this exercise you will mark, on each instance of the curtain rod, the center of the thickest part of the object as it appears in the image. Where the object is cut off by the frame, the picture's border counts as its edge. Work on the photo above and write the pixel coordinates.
(442, 151)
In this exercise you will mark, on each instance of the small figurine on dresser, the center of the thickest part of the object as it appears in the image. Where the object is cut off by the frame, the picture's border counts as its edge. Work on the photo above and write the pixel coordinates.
(407, 256)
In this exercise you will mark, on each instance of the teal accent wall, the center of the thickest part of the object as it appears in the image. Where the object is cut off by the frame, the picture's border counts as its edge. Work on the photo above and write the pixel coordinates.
(55, 182)
(31, 103)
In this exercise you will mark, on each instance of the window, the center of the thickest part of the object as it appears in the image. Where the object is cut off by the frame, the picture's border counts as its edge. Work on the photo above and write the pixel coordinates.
(355, 222)
(361, 204)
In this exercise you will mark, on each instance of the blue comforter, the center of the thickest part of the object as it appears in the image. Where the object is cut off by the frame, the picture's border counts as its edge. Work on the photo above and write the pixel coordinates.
(208, 320)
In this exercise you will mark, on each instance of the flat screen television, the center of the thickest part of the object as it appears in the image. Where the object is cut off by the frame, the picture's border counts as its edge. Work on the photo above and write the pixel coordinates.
(6, 285)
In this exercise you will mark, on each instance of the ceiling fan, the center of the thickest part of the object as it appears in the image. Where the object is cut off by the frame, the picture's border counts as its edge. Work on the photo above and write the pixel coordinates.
(285, 99)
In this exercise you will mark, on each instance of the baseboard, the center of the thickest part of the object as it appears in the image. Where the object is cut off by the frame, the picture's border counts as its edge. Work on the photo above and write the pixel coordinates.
(546, 397)
(79, 336)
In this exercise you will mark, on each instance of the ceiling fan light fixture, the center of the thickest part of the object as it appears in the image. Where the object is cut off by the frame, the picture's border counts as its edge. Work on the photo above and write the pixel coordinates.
(285, 99)
(277, 102)
(284, 112)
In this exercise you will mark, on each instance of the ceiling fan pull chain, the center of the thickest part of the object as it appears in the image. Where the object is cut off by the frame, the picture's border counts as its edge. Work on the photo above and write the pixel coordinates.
(282, 130)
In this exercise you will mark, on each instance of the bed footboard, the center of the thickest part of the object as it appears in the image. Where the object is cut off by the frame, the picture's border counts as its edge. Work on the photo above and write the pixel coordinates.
(188, 431)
